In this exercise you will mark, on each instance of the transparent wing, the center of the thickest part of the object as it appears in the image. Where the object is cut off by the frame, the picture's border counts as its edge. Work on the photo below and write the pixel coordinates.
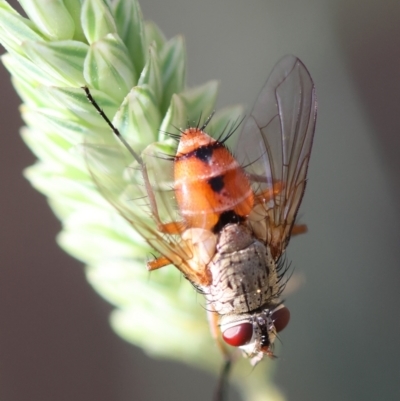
(139, 183)
(274, 148)
(122, 181)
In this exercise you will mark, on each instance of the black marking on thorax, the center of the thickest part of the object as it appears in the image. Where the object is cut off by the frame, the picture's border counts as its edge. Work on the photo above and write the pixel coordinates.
(204, 153)
(225, 218)
(217, 183)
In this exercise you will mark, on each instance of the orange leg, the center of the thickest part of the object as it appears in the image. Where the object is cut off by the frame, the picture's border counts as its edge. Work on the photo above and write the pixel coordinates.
(157, 263)
(168, 228)
(213, 320)
(174, 227)
(270, 193)
(299, 229)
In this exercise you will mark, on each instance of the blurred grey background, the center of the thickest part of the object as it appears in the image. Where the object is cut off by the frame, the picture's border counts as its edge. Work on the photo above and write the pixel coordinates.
(343, 342)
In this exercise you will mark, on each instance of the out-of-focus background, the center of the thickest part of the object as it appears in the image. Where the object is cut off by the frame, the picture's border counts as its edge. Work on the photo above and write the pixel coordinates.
(343, 342)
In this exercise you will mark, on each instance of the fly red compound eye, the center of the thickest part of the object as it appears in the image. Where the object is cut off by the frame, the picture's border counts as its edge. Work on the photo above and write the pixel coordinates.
(281, 318)
(238, 335)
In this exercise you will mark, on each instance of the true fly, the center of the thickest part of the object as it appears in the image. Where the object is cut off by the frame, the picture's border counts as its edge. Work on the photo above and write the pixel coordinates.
(226, 218)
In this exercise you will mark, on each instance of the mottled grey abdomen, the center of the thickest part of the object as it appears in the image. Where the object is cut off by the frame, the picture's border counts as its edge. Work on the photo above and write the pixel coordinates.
(243, 273)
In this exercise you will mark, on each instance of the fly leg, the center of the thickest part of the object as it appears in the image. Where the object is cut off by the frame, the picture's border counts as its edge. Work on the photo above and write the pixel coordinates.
(271, 193)
(221, 389)
(213, 322)
(299, 229)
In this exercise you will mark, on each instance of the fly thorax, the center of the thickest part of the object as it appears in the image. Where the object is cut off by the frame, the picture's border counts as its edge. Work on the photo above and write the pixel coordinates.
(243, 273)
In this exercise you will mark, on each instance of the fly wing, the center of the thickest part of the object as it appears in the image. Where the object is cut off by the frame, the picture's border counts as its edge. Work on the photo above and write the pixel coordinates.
(274, 148)
(137, 178)
(125, 183)
(119, 178)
